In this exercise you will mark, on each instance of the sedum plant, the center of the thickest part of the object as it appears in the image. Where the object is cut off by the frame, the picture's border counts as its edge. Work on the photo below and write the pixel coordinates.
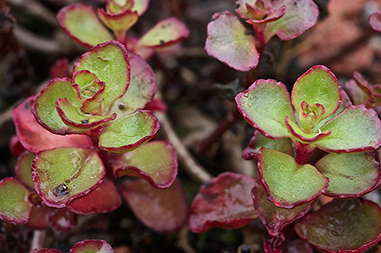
(89, 27)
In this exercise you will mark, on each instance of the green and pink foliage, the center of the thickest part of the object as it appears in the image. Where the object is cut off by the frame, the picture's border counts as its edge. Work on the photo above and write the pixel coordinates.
(234, 44)
(89, 27)
(86, 246)
(375, 21)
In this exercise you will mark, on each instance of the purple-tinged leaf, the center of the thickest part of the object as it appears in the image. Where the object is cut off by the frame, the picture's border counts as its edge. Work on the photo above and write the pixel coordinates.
(129, 132)
(273, 16)
(109, 62)
(63, 220)
(14, 205)
(248, 9)
(24, 169)
(288, 183)
(81, 23)
(15, 145)
(317, 86)
(163, 210)
(298, 246)
(258, 141)
(63, 174)
(45, 251)
(356, 94)
(155, 162)
(90, 203)
(375, 21)
(335, 227)
(164, 33)
(60, 69)
(350, 175)
(276, 218)
(363, 85)
(265, 104)
(353, 130)
(44, 105)
(141, 90)
(72, 116)
(92, 246)
(224, 202)
(40, 217)
(35, 138)
(228, 42)
(119, 23)
(300, 16)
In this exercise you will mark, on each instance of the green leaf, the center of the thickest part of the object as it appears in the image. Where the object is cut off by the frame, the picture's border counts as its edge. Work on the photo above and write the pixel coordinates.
(44, 105)
(300, 135)
(317, 86)
(129, 132)
(24, 169)
(350, 175)
(119, 23)
(140, 6)
(300, 16)
(63, 174)
(287, 182)
(228, 42)
(109, 62)
(265, 104)
(355, 129)
(155, 162)
(92, 246)
(347, 226)
(14, 205)
(81, 23)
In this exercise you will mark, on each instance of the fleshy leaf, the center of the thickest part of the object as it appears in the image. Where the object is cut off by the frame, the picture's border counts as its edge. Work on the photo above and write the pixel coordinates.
(81, 23)
(317, 86)
(63, 174)
(92, 246)
(375, 21)
(163, 210)
(63, 220)
(39, 217)
(300, 16)
(120, 22)
(265, 104)
(155, 162)
(24, 168)
(228, 42)
(35, 138)
(140, 6)
(298, 246)
(299, 134)
(276, 218)
(287, 182)
(356, 94)
(164, 33)
(141, 90)
(223, 202)
(355, 129)
(45, 251)
(350, 175)
(129, 132)
(109, 62)
(335, 226)
(14, 205)
(245, 9)
(90, 203)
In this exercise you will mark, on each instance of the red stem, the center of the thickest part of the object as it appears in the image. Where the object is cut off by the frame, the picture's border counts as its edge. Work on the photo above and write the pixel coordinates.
(303, 152)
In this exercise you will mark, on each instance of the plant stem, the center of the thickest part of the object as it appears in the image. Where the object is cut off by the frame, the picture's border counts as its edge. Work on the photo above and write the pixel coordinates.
(38, 239)
(303, 152)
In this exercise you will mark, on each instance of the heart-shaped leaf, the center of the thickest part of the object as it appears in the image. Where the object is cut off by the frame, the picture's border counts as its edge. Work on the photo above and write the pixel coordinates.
(335, 227)
(287, 182)
(155, 162)
(109, 62)
(355, 129)
(92, 246)
(375, 21)
(300, 16)
(223, 202)
(24, 168)
(228, 42)
(63, 174)
(350, 175)
(90, 203)
(163, 210)
(265, 104)
(119, 23)
(35, 138)
(129, 132)
(164, 33)
(14, 205)
(273, 217)
(81, 23)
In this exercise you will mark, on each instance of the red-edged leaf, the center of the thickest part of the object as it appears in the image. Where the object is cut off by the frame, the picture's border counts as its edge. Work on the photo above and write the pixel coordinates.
(155, 162)
(163, 210)
(119, 23)
(335, 227)
(24, 168)
(92, 246)
(90, 203)
(298, 246)
(81, 23)
(224, 202)
(63, 220)
(228, 42)
(375, 21)
(14, 205)
(40, 217)
(45, 251)
(60, 69)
